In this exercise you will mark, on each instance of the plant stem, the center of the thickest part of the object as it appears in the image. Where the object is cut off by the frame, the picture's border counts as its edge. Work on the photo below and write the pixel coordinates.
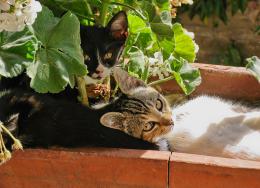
(82, 90)
(103, 12)
(88, 8)
(115, 90)
(161, 81)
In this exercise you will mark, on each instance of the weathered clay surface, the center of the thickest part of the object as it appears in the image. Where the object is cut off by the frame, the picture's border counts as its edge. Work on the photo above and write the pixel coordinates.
(195, 171)
(85, 168)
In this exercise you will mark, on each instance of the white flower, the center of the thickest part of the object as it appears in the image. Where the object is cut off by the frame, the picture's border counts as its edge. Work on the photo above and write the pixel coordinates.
(21, 14)
(157, 66)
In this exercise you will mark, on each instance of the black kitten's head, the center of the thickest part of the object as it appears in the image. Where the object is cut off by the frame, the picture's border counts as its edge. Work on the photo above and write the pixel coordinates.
(102, 46)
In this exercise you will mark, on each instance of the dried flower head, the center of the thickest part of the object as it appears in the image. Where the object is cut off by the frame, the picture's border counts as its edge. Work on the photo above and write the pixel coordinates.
(5, 156)
(178, 3)
(17, 145)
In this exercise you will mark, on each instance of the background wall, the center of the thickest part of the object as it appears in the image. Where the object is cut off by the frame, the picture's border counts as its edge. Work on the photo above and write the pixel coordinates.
(215, 40)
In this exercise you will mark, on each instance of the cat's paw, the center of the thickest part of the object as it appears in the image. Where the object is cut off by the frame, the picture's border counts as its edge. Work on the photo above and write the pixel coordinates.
(163, 145)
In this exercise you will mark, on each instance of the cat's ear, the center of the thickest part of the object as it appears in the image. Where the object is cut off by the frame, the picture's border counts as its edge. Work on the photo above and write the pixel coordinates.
(113, 120)
(126, 82)
(118, 26)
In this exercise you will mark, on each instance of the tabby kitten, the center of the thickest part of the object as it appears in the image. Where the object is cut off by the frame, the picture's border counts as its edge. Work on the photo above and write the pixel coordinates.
(209, 126)
(40, 121)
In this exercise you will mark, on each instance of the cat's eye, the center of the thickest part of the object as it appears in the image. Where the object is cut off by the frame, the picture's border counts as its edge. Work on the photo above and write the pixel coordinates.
(107, 55)
(159, 105)
(149, 126)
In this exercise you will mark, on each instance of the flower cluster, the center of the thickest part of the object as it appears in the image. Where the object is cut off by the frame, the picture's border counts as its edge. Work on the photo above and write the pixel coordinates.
(158, 67)
(177, 3)
(16, 14)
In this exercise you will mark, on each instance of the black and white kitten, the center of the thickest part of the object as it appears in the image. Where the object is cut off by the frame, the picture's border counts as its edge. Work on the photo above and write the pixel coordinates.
(102, 46)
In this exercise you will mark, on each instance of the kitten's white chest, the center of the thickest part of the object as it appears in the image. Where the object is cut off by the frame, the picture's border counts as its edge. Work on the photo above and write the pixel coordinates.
(210, 126)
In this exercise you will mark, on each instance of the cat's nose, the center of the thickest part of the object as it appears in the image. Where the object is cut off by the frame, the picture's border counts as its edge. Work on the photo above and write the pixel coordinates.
(100, 69)
(166, 122)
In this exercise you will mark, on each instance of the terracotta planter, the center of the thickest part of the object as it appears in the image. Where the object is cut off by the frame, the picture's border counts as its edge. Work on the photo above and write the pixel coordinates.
(103, 167)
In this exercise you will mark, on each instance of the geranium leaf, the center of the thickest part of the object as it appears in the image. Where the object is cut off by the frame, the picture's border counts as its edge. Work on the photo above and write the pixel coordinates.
(60, 57)
(254, 66)
(17, 50)
(184, 45)
(187, 77)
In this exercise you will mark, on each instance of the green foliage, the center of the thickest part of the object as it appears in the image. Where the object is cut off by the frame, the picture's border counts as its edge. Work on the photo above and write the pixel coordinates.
(230, 57)
(257, 30)
(50, 51)
(215, 8)
(156, 34)
(186, 76)
(254, 66)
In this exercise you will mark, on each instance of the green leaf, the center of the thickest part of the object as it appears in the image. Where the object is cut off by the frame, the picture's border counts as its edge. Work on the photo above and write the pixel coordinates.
(78, 7)
(162, 30)
(164, 5)
(52, 71)
(136, 65)
(187, 77)
(149, 8)
(254, 66)
(136, 24)
(60, 57)
(17, 50)
(141, 35)
(162, 26)
(167, 47)
(184, 45)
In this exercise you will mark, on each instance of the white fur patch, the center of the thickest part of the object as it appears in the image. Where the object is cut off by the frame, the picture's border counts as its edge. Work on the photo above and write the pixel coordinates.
(210, 126)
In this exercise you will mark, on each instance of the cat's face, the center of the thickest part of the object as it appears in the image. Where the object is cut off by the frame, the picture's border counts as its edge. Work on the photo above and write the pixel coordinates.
(102, 46)
(142, 112)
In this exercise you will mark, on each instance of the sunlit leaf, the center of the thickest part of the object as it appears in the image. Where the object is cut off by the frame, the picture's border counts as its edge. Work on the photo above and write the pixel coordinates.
(254, 66)
(187, 77)
(60, 57)
(184, 45)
